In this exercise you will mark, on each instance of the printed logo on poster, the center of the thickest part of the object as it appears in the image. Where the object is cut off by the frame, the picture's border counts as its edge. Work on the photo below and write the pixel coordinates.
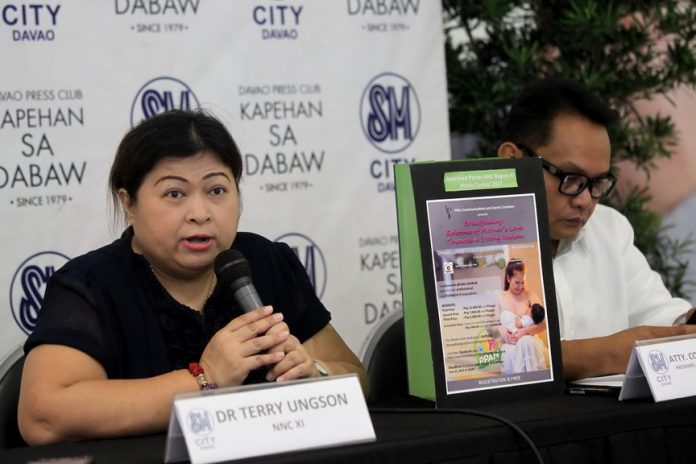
(310, 256)
(30, 21)
(390, 113)
(487, 350)
(278, 19)
(29, 284)
(159, 95)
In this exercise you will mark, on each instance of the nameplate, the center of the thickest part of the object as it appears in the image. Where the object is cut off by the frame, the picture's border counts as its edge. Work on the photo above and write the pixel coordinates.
(664, 368)
(254, 420)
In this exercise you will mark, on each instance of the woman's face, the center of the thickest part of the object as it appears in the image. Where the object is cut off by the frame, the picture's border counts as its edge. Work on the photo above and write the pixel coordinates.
(186, 212)
(517, 282)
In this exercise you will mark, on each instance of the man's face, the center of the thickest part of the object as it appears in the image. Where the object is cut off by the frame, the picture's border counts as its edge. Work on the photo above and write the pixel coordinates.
(577, 146)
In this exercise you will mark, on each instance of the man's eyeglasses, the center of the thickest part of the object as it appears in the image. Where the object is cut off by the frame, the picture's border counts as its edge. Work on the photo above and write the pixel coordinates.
(574, 184)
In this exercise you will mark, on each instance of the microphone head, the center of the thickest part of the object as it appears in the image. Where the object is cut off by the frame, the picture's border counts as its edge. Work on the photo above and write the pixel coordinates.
(232, 269)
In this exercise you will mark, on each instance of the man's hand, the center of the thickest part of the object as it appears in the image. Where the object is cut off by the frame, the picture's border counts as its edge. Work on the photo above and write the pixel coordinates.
(592, 357)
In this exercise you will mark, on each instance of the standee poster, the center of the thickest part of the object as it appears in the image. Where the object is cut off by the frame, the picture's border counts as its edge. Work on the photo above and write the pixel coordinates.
(479, 300)
(487, 339)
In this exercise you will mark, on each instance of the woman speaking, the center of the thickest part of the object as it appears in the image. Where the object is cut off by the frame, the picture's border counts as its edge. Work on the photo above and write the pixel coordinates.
(124, 328)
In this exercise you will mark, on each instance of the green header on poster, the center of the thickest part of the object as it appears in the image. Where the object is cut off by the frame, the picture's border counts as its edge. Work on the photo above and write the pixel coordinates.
(460, 181)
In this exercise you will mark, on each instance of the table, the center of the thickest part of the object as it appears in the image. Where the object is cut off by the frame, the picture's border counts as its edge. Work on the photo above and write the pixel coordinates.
(566, 429)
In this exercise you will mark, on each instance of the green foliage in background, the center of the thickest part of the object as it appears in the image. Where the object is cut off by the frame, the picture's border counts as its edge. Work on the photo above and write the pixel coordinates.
(623, 50)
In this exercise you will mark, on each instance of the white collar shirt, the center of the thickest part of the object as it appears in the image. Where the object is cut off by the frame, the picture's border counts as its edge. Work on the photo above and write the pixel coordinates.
(604, 284)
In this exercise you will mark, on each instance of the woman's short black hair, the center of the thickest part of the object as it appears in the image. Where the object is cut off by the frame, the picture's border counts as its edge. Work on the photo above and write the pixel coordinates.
(175, 133)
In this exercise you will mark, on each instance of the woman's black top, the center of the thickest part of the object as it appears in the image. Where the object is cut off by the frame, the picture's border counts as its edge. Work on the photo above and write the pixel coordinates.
(109, 304)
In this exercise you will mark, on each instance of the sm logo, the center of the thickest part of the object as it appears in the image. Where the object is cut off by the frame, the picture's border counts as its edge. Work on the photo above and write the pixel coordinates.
(390, 113)
(200, 422)
(159, 95)
(311, 258)
(658, 361)
(29, 284)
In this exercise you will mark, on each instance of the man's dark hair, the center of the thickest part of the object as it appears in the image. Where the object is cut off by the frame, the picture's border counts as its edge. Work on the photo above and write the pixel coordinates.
(531, 115)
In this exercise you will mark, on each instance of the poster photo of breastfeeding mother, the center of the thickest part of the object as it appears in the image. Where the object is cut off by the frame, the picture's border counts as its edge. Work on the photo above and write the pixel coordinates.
(489, 282)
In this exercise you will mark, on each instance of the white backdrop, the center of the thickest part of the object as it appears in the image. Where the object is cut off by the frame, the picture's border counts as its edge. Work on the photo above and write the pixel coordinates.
(323, 96)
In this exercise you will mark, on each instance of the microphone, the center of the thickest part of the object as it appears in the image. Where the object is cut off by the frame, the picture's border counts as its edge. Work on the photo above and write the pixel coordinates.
(233, 270)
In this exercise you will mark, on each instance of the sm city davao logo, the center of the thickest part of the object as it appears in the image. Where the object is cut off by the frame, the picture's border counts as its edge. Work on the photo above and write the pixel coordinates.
(278, 19)
(390, 113)
(29, 284)
(311, 258)
(658, 362)
(200, 422)
(159, 95)
(30, 21)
